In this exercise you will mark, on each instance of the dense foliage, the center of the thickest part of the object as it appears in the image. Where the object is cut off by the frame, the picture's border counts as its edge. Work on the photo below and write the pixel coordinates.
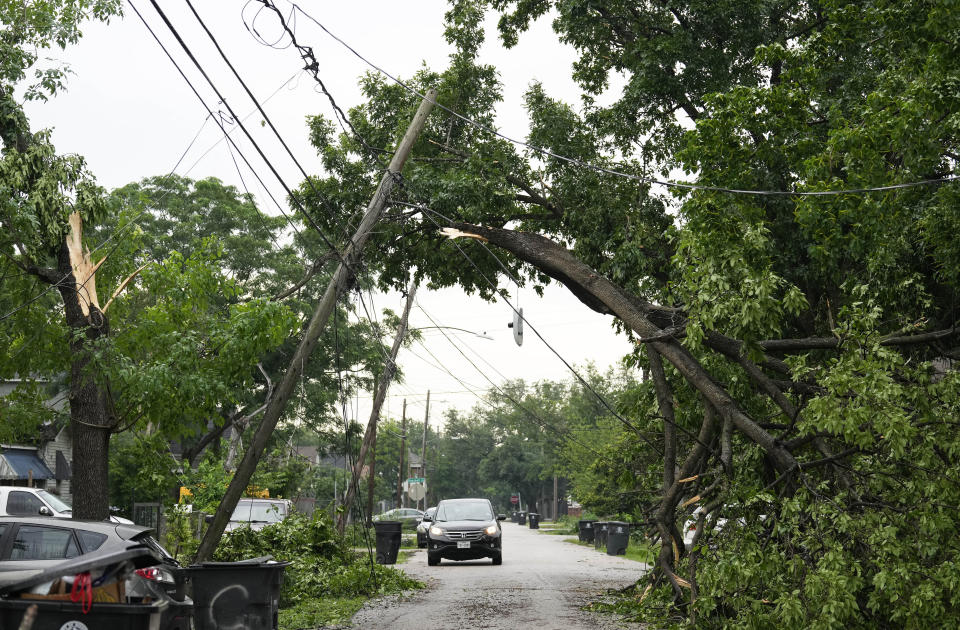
(800, 348)
(320, 567)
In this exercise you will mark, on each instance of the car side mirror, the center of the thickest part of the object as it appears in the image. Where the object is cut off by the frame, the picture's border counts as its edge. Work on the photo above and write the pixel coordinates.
(501, 517)
(427, 519)
(45, 511)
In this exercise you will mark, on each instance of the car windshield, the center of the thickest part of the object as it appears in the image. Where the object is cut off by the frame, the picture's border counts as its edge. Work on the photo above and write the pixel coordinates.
(54, 501)
(464, 511)
(260, 512)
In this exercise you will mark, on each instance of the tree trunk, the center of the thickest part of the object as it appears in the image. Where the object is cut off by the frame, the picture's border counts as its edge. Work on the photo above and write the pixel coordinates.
(90, 418)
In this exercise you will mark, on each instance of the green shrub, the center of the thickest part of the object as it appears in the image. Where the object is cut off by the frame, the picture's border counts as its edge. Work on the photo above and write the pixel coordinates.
(321, 565)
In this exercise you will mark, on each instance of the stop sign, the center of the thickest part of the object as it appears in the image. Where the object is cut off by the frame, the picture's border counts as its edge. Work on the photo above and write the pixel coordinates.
(514, 498)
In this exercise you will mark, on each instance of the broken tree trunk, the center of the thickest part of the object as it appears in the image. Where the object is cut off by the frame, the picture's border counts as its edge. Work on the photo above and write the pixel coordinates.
(381, 393)
(602, 295)
(339, 284)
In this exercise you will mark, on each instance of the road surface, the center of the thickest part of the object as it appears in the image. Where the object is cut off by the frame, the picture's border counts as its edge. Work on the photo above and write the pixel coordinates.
(542, 584)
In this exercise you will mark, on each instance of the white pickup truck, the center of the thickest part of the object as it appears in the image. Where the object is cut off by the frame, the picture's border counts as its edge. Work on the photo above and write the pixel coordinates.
(21, 501)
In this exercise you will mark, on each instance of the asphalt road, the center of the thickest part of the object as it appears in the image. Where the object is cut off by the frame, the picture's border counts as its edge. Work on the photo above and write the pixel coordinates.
(542, 583)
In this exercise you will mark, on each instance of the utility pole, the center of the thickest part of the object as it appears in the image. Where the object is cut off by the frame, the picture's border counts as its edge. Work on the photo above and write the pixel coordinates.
(423, 451)
(556, 505)
(371, 473)
(403, 451)
(370, 435)
(342, 280)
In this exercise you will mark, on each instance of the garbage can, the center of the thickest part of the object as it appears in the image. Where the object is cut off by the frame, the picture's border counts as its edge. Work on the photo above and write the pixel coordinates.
(50, 590)
(244, 594)
(534, 520)
(522, 518)
(585, 530)
(515, 517)
(618, 537)
(388, 541)
(599, 534)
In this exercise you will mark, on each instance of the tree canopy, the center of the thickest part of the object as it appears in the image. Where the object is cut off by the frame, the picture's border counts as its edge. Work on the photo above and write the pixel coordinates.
(794, 300)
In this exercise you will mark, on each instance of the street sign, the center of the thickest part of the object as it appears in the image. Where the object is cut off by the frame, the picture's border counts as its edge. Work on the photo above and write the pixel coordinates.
(514, 498)
(416, 491)
(416, 480)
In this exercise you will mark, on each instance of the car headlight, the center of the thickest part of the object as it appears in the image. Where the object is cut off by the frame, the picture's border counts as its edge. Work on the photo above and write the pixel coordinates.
(490, 531)
(436, 531)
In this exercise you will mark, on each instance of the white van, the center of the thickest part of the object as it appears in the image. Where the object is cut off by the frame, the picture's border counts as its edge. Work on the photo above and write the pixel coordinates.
(23, 501)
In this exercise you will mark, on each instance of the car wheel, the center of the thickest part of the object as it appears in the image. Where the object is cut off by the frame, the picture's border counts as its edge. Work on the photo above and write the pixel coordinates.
(498, 559)
(433, 560)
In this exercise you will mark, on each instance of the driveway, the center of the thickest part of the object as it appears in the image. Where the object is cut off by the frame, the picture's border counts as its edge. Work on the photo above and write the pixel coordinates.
(543, 582)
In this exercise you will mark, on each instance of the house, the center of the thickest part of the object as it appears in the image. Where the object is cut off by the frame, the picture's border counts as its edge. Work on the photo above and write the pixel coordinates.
(46, 460)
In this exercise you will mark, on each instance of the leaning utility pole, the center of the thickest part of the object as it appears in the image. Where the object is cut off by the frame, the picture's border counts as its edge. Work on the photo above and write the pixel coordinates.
(370, 436)
(403, 450)
(342, 280)
(423, 451)
(372, 474)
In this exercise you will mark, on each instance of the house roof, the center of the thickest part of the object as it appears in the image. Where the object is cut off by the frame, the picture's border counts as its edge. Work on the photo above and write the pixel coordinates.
(22, 463)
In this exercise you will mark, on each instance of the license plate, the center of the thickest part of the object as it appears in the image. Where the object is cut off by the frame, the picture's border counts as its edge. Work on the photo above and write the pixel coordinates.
(463, 544)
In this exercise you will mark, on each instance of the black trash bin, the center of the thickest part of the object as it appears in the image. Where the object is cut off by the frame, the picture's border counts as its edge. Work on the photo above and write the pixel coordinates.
(522, 518)
(515, 517)
(388, 541)
(618, 537)
(585, 530)
(244, 594)
(56, 611)
(599, 534)
(534, 519)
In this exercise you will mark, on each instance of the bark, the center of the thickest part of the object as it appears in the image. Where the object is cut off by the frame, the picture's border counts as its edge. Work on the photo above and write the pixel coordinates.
(91, 418)
(665, 402)
(671, 539)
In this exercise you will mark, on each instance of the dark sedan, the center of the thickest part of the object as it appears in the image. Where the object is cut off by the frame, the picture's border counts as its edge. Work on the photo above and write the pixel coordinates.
(29, 546)
(464, 529)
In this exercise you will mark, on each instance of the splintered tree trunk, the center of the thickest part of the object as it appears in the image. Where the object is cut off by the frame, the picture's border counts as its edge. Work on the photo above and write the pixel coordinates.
(90, 417)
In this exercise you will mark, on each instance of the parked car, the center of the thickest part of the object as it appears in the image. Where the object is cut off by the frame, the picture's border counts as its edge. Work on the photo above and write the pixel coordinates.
(464, 529)
(258, 513)
(23, 501)
(31, 545)
(423, 526)
(409, 517)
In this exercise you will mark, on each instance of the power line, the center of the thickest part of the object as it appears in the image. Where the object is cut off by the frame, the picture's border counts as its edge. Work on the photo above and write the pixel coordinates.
(239, 122)
(115, 234)
(308, 53)
(214, 116)
(249, 114)
(617, 173)
(427, 213)
(543, 423)
(313, 68)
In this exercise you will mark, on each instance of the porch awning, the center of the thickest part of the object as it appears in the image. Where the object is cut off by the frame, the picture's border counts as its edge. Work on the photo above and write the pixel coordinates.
(19, 463)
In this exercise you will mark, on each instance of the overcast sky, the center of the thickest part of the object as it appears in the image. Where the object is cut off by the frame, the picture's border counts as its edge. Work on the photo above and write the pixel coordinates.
(131, 114)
